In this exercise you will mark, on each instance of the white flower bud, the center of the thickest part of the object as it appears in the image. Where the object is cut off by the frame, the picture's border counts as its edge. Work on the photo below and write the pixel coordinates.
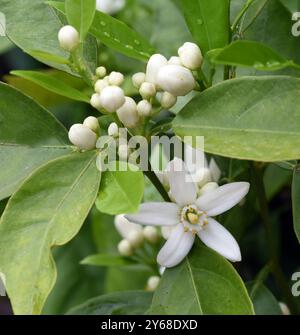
(116, 78)
(144, 108)
(125, 248)
(95, 101)
(190, 56)
(208, 187)
(123, 152)
(125, 227)
(128, 114)
(284, 308)
(68, 38)
(162, 270)
(138, 79)
(176, 80)
(154, 64)
(101, 71)
(113, 130)
(166, 231)
(202, 177)
(153, 283)
(147, 90)
(110, 7)
(151, 234)
(112, 98)
(168, 100)
(82, 137)
(92, 123)
(175, 61)
(136, 238)
(100, 85)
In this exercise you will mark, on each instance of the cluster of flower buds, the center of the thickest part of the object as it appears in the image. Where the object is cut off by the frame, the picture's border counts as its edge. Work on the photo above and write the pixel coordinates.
(84, 136)
(133, 235)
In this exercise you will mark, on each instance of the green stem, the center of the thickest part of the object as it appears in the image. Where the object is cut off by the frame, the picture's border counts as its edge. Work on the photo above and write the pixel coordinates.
(240, 15)
(274, 259)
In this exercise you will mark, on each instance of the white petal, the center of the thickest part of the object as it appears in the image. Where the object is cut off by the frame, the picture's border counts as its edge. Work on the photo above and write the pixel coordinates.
(194, 159)
(182, 187)
(176, 248)
(156, 214)
(214, 170)
(223, 198)
(218, 238)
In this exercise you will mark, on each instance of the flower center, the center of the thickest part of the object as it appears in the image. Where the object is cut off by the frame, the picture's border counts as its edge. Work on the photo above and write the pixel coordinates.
(193, 219)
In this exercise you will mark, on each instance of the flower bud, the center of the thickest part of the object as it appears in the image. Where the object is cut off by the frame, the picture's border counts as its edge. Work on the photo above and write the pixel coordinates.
(284, 308)
(166, 231)
(147, 90)
(128, 114)
(138, 79)
(125, 227)
(153, 283)
(144, 108)
(123, 152)
(151, 234)
(175, 61)
(154, 64)
(100, 85)
(82, 137)
(176, 80)
(113, 130)
(202, 177)
(110, 7)
(136, 238)
(101, 71)
(190, 56)
(112, 98)
(116, 78)
(68, 38)
(168, 100)
(125, 248)
(95, 101)
(92, 123)
(208, 187)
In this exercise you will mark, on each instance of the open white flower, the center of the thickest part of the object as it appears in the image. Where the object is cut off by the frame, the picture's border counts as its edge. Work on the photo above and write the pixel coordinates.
(190, 216)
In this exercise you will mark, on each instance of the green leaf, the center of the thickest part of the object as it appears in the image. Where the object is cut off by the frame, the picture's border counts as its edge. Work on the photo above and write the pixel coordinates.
(249, 54)
(116, 35)
(296, 201)
(208, 21)
(107, 260)
(29, 137)
(275, 178)
(48, 210)
(45, 57)
(121, 191)
(117, 303)
(255, 118)
(80, 14)
(205, 283)
(292, 5)
(52, 84)
(263, 299)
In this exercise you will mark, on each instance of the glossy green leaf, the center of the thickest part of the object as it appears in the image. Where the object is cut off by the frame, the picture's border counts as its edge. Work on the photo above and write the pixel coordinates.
(249, 54)
(48, 210)
(117, 303)
(80, 14)
(208, 21)
(52, 84)
(275, 178)
(107, 260)
(296, 201)
(292, 5)
(204, 283)
(29, 137)
(255, 118)
(263, 300)
(45, 57)
(116, 35)
(121, 191)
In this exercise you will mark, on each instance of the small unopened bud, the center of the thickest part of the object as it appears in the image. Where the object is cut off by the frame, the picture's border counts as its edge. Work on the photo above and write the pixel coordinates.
(112, 98)
(151, 234)
(284, 308)
(147, 90)
(113, 130)
(202, 177)
(208, 187)
(144, 108)
(123, 151)
(190, 56)
(154, 65)
(135, 238)
(82, 137)
(175, 61)
(100, 85)
(125, 227)
(95, 101)
(92, 123)
(176, 80)
(128, 114)
(68, 38)
(116, 78)
(138, 79)
(153, 283)
(101, 71)
(168, 100)
(125, 248)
